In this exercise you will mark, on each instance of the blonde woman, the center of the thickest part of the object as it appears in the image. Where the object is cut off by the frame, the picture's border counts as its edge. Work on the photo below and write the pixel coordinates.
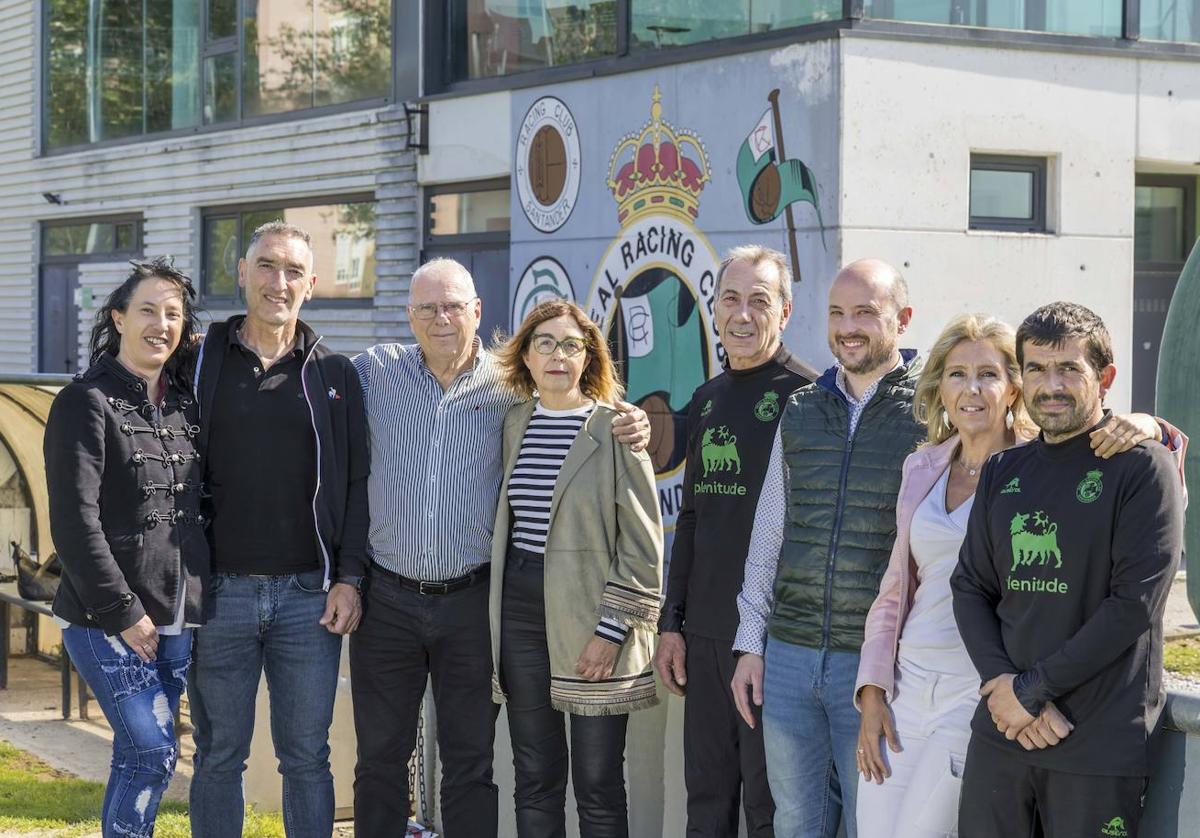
(917, 688)
(576, 576)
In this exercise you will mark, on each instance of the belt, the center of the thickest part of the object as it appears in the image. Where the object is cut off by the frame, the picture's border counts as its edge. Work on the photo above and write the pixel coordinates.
(426, 588)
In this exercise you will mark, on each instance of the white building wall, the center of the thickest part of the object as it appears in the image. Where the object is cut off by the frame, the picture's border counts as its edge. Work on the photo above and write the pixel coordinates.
(914, 112)
(170, 180)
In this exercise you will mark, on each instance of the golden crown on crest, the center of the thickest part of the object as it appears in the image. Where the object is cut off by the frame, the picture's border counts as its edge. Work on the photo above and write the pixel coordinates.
(658, 170)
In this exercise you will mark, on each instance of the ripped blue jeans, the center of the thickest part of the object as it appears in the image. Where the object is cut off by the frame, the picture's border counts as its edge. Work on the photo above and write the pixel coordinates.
(139, 699)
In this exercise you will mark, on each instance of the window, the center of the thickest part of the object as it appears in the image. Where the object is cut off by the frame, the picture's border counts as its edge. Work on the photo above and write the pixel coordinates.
(656, 24)
(118, 68)
(1008, 193)
(1170, 20)
(77, 240)
(464, 213)
(1098, 18)
(502, 37)
(1162, 221)
(343, 243)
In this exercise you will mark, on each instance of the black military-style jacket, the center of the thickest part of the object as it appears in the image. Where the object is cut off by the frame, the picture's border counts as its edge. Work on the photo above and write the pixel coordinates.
(125, 512)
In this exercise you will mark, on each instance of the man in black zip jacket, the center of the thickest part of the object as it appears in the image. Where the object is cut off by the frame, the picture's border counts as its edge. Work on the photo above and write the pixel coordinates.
(731, 424)
(284, 442)
(1059, 597)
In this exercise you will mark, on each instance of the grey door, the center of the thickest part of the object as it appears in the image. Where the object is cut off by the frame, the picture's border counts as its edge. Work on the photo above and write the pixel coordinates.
(489, 269)
(58, 319)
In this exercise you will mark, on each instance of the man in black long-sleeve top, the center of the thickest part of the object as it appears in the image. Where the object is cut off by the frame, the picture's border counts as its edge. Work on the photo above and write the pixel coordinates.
(1059, 596)
(731, 425)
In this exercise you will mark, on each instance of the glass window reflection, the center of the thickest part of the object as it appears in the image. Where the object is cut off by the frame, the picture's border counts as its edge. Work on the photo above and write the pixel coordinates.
(117, 69)
(343, 243)
(1159, 219)
(501, 37)
(459, 213)
(1098, 18)
(1169, 20)
(667, 23)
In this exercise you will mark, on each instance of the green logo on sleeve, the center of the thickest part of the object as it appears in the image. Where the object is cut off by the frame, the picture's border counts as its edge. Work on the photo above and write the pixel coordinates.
(1115, 827)
(1012, 487)
(719, 450)
(767, 407)
(1089, 487)
(707, 409)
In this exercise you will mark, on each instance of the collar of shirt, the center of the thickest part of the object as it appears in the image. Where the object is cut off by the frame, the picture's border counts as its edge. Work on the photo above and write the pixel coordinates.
(840, 378)
(235, 339)
(480, 357)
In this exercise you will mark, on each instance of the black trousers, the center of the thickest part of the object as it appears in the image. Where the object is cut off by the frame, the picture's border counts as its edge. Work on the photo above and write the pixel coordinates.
(1005, 797)
(404, 638)
(539, 743)
(723, 758)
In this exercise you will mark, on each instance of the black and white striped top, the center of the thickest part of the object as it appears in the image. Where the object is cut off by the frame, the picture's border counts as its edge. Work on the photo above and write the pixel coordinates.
(531, 486)
(544, 447)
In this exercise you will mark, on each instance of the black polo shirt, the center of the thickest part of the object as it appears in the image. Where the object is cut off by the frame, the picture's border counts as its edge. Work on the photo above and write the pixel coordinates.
(261, 466)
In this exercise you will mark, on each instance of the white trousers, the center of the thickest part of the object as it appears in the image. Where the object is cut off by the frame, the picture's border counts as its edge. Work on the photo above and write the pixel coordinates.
(933, 722)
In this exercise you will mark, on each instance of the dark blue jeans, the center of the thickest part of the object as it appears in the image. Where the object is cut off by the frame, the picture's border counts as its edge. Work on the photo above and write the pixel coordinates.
(139, 699)
(257, 624)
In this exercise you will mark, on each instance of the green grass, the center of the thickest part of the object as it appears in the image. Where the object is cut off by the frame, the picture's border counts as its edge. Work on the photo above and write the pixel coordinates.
(1182, 656)
(36, 797)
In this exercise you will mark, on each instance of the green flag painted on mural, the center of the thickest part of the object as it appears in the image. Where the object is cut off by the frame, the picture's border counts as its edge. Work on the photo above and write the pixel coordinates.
(768, 187)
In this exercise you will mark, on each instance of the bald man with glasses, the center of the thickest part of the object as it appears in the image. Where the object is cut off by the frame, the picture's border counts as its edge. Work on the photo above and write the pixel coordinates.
(435, 411)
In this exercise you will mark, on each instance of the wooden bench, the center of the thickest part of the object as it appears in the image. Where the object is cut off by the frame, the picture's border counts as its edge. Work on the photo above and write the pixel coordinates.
(10, 597)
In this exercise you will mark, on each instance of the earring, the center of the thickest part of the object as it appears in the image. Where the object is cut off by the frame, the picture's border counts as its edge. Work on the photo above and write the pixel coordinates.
(946, 420)
(1008, 419)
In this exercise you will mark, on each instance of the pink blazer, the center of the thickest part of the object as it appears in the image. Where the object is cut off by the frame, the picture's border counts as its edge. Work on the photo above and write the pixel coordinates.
(877, 666)
(885, 620)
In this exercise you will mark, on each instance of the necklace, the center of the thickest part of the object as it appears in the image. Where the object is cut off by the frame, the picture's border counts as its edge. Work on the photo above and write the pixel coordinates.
(969, 469)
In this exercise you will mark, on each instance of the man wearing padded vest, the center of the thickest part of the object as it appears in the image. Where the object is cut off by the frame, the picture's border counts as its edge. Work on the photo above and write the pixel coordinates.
(1059, 596)
(822, 533)
(731, 423)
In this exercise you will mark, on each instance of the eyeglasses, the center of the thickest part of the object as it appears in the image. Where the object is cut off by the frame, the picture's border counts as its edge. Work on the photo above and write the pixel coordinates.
(428, 311)
(544, 344)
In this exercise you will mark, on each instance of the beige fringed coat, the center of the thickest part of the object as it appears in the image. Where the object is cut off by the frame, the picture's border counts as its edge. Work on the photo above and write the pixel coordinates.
(603, 558)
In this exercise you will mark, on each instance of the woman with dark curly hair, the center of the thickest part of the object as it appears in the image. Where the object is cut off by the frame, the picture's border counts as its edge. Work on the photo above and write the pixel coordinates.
(576, 576)
(124, 484)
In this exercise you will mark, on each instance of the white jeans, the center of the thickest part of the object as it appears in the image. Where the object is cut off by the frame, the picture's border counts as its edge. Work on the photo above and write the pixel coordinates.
(933, 722)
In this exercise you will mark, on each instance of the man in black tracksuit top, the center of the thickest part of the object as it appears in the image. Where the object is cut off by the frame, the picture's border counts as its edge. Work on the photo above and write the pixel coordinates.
(731, 425)
(1059, 596)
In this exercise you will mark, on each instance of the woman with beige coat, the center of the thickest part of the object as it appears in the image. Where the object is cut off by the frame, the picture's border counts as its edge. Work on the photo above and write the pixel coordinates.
(576, 576)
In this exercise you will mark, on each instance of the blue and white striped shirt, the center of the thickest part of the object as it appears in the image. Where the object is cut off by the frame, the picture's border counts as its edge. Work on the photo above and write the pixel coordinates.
(436, 461)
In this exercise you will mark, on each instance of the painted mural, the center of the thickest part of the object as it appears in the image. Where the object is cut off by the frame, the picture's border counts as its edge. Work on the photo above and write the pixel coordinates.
(626, 191)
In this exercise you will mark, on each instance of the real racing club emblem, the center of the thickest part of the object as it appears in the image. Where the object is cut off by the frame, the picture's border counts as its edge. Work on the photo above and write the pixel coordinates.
(1089, 487)
(768, 407)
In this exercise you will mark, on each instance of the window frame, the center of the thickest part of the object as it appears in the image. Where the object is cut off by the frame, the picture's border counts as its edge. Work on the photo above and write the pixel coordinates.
(76, 258)
(1188, 184)
(238, 210)
(440, 83)
(463, 239)
(1037, 166)
(234, 45)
